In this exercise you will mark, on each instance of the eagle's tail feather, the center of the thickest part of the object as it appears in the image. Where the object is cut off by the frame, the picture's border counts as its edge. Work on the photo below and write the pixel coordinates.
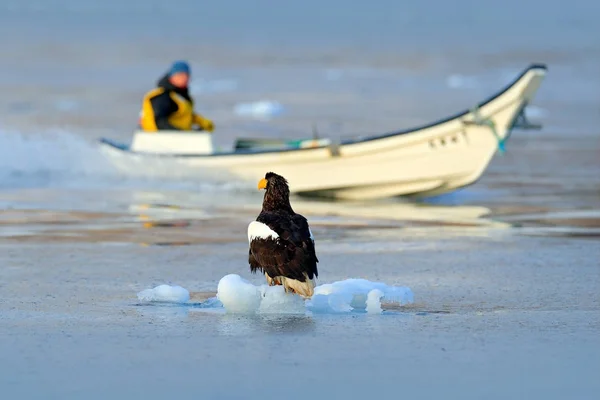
(304, 289)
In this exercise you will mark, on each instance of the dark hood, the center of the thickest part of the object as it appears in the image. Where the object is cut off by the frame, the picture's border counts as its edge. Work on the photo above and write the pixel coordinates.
(164, 82)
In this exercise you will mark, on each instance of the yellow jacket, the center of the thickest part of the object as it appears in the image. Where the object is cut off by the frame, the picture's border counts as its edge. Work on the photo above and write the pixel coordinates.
(170, 108)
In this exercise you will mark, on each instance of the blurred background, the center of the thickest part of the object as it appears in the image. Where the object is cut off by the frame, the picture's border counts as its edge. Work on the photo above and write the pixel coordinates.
(76, 70)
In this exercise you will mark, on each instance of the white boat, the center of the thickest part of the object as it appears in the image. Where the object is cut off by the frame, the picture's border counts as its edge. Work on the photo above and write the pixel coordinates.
(425, 161)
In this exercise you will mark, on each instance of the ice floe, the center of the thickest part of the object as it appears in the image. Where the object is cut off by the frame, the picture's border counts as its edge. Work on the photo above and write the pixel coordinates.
(165, 293)
(237, 295)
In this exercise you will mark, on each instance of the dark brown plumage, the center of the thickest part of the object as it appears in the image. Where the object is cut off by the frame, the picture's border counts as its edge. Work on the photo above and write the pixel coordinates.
(281, 243)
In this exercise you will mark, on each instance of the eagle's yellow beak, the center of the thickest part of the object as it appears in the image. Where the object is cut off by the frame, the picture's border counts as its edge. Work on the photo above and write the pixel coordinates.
(262, 184)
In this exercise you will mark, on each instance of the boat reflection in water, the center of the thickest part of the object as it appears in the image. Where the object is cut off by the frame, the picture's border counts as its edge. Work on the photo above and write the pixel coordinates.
(218, 218)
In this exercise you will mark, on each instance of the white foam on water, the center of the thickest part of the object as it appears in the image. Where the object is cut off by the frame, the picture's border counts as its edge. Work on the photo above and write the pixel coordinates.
(60, 158)
(48, 156)
(165, 293)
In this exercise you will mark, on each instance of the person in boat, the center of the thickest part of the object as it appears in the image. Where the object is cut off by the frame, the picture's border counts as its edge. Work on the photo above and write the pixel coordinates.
(169, 106)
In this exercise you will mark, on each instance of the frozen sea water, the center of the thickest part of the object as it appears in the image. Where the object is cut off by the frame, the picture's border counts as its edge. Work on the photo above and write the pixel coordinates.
(486, 313)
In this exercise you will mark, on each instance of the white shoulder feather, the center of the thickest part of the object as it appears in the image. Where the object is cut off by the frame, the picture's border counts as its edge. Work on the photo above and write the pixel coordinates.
(259, 230)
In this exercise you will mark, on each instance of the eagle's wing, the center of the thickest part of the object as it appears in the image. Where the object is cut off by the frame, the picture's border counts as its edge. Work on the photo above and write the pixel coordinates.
(281, 245)
(307, 242)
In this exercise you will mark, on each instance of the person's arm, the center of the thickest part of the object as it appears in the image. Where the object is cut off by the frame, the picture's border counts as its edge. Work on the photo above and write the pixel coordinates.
(163, 106)
(204, 123)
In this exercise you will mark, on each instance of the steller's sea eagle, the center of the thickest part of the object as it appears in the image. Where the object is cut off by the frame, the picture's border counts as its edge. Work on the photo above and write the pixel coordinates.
(281, 242)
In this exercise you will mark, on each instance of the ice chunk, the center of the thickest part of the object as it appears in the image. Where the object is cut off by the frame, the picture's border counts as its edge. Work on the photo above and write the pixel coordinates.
(238, 295)
(276, 301)
(374, 301)
(357, 294)
(333, 302)
(165, 293)
(263, 109)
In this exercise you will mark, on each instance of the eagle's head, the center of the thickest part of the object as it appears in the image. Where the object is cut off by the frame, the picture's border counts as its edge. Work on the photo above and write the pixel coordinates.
(277, 192)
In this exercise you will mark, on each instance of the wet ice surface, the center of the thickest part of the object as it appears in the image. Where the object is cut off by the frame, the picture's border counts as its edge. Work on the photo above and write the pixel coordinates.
(493, 317)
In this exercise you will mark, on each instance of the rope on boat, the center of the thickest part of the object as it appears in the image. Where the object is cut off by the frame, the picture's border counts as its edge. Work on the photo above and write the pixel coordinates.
(479, 120)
